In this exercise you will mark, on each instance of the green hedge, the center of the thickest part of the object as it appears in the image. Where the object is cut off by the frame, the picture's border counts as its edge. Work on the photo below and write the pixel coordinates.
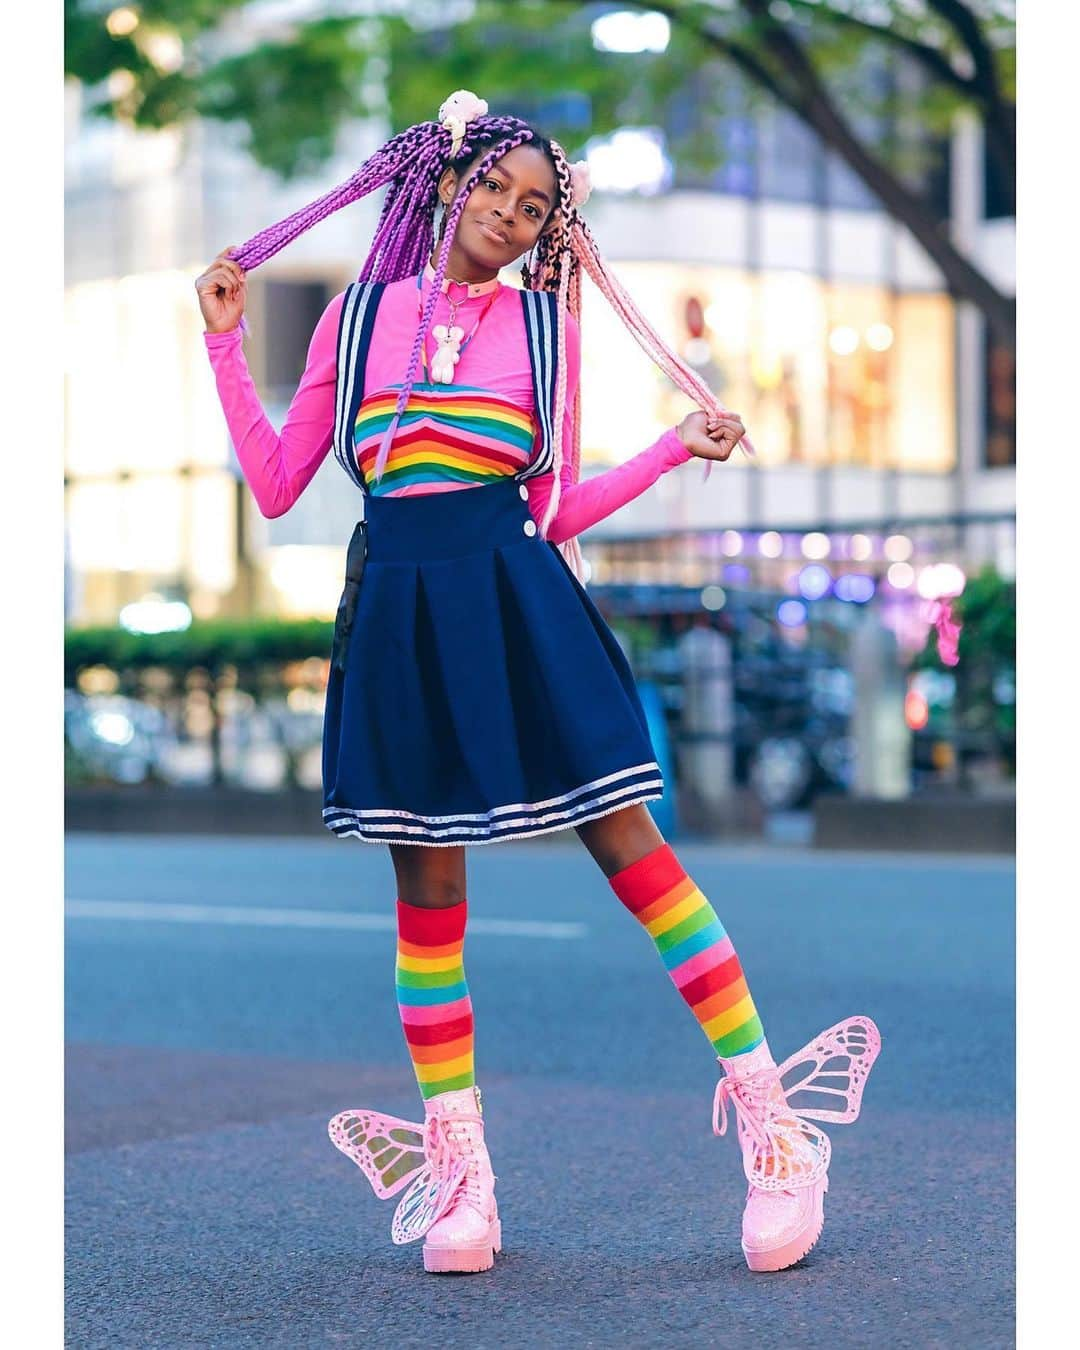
(209, 644)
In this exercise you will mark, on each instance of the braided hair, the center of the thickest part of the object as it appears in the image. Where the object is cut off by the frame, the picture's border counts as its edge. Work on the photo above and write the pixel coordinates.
(410, 166)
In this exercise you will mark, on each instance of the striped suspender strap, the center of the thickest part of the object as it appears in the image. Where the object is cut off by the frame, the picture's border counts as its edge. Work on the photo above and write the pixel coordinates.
(541, 334)
(354, 338)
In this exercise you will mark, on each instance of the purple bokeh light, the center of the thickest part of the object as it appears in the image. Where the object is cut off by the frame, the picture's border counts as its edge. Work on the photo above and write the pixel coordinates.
(855, 587)
(815, 581)
(791, 613)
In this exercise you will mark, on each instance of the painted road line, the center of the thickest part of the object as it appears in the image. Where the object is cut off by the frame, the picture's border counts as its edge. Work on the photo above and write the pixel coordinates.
(137, 911)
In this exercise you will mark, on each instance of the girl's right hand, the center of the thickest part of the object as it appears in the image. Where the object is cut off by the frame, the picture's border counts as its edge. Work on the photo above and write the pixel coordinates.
(222, 291)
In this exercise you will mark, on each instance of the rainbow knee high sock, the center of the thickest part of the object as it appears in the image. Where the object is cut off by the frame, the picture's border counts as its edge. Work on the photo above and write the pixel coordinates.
(433, 997)
(694, 947)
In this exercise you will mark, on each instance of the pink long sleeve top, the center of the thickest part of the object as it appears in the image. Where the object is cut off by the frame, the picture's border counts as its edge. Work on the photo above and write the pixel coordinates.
(279, 466)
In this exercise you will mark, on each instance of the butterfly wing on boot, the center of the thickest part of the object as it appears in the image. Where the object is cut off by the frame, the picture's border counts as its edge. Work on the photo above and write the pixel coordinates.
(796, 1154)
(825, 1079)
(388, 1150)
(425, 1202)
(390, 1153)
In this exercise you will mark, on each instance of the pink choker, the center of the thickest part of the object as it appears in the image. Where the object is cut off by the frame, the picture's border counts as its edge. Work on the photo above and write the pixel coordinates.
(474, 287)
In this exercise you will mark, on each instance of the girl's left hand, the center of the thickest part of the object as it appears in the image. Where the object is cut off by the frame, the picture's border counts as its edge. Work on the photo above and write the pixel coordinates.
(711, 437)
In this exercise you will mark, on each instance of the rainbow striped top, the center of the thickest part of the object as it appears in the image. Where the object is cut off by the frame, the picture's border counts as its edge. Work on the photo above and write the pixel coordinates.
(451, 436)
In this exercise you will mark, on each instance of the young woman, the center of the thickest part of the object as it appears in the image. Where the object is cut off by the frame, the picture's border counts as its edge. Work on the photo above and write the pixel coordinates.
(475, 692)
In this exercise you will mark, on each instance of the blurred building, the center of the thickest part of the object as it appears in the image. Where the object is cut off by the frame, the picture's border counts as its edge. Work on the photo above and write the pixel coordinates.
(882, 414)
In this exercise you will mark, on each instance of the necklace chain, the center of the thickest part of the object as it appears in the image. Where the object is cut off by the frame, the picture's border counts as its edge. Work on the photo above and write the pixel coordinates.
(454, 305)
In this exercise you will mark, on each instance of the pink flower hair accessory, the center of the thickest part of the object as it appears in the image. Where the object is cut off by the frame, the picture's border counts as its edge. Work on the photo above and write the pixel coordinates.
(456, 112)
(581, 179)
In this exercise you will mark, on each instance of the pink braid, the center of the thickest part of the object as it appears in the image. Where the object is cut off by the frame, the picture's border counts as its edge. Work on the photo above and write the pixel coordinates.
(568, 303)
(561, 255)
(555, 263)
(409, 166)
(573, 306)
(560, 398)
(647, 338)
(571, 548)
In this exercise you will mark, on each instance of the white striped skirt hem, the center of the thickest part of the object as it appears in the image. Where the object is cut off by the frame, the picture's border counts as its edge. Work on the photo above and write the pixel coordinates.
(520, 820)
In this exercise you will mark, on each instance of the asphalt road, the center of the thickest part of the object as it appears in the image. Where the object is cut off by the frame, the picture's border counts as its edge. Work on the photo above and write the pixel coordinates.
(224, 999)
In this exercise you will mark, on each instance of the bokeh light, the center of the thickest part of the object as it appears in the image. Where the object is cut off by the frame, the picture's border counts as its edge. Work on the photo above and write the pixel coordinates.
(854, 587)
(113, 727)
(859, 547)
(165, 50)
(916, 710)
(815, 545)
(791, 613)
(815, 581)
(843, 340)
(630, 31)
(950, 579)
(770, 545)
(631, 159)
(940, 580)
(898, 548)
(731, 543)
(154, 615)
(120, 83)
(900, 575)
(879, 337)
(122, 21)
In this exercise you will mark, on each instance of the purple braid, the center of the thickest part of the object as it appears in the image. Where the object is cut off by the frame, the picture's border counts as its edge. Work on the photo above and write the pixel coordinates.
(409, 167)
(518, 133)
(383, 167)
(398, 228)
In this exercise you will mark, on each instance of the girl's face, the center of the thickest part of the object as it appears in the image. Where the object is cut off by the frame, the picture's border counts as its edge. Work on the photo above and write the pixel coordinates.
(507, 209)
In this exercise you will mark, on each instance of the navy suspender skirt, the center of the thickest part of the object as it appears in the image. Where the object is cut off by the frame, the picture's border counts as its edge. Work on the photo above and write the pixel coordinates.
(476, 693)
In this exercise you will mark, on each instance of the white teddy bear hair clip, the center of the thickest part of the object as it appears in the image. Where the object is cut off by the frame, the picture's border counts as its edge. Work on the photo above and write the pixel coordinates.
(463, 107)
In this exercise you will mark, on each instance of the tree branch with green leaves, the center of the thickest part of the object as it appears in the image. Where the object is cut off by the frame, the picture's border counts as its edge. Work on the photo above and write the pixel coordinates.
(295, 85)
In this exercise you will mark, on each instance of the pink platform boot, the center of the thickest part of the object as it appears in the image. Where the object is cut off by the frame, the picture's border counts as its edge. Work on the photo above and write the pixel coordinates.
(785, 1157)
(450, 1201)
(468, 1234)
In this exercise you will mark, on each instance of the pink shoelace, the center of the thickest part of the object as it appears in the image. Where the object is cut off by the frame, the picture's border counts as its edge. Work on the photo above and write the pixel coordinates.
(443, 1145)
(776, 1132)
(754, 1103)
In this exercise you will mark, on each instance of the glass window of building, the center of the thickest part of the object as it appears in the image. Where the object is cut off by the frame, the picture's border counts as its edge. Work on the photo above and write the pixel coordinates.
(791, 163)
(922, 410)
(712, 110)
(293, 308)
(999, 409)
(824, 373)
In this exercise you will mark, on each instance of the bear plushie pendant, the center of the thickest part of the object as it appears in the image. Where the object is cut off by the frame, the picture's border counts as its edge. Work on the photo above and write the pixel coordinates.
(448, 353)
